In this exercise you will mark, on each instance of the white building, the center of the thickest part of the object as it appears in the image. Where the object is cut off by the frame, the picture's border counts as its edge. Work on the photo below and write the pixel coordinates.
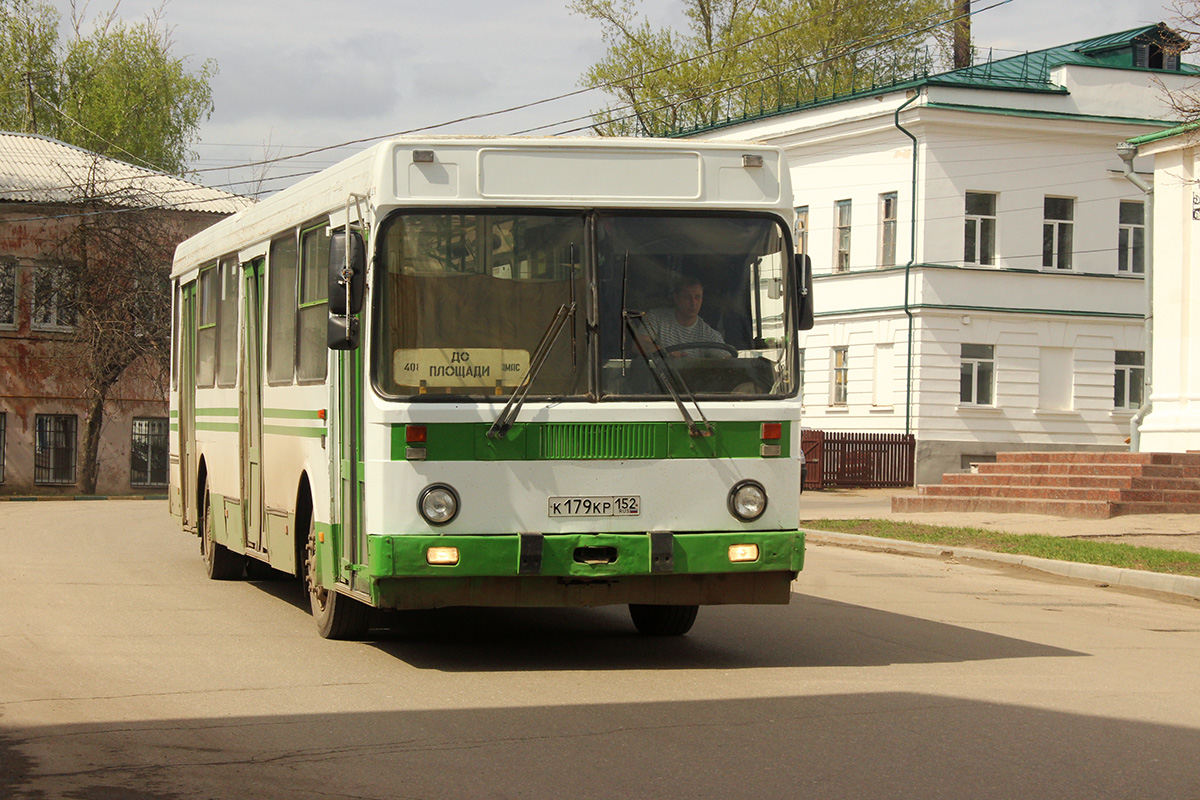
(1009, 314)
(1173, 422)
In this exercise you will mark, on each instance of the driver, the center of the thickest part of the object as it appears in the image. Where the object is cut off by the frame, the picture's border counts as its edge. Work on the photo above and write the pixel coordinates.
(682, 324)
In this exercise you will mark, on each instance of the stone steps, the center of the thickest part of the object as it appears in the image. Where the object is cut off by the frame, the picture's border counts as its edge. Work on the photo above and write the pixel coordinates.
(1086, 485)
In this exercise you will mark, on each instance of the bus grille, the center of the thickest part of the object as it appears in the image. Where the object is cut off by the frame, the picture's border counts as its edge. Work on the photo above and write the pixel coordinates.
(599, 441)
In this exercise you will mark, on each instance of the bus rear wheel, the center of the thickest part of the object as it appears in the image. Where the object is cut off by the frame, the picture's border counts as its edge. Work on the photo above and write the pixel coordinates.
(219, 562)
(663, 620)
(337, 615)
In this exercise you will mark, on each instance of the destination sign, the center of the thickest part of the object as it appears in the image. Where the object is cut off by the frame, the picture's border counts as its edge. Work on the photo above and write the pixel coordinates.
(457, 367)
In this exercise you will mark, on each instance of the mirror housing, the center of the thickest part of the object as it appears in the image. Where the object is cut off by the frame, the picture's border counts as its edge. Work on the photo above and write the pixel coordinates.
(802, 280)
(342, 333)
(339, 259)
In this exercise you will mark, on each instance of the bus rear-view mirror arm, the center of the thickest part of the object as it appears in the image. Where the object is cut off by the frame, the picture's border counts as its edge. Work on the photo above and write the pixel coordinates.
(802, 280)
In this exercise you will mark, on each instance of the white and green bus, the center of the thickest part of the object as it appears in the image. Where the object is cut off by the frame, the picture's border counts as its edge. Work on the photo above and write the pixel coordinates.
(499, 372)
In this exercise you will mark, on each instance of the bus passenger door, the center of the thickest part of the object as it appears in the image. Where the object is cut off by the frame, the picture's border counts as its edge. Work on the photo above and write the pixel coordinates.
(187, 406)
(250, 406)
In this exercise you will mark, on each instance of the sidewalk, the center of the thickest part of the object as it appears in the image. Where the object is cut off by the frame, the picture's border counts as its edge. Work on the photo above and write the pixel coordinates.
(1167, 531)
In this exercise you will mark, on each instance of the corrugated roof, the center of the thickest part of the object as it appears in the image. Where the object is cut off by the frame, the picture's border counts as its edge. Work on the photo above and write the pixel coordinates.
(36, 169)
(1025, 72)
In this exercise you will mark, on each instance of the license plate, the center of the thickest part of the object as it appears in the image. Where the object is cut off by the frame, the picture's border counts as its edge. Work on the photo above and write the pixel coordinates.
(603, 506)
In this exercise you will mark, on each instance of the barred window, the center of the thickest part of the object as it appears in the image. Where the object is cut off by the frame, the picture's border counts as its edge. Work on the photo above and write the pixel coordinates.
(8, 294)
(54, 448)
(148, 452)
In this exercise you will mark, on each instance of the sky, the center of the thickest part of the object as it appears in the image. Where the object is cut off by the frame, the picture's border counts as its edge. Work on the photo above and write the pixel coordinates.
(296, 75)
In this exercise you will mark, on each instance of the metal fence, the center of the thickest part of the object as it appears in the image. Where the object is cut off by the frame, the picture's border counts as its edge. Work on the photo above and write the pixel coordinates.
(862, 460)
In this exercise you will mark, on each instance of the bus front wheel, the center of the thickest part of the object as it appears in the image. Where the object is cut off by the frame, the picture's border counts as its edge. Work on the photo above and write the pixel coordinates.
(337, 615)
(663, 620)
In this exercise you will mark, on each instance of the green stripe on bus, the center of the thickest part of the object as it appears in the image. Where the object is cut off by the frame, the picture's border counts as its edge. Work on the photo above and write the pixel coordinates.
(216, 412)
(541, 441)
(291, 413)
(290, 430)
(228, 427)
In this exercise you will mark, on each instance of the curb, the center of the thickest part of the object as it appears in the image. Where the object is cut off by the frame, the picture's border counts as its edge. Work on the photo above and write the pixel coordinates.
(1185, 585)
(43, 498)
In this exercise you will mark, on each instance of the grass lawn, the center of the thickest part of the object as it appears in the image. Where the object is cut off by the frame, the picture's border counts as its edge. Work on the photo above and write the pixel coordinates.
(1082, 551)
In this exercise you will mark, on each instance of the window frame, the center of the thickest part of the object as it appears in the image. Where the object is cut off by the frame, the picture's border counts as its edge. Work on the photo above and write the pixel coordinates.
(972, 375)
(1131, 239)
(315, 306)
(979, 231)
(842, 222)
(1058, 235)
(889, 204)
(59, 305)
(228, 322)
(8, 294)
(1123, 375)
(151, 438)
(41, 452)
(839, 375)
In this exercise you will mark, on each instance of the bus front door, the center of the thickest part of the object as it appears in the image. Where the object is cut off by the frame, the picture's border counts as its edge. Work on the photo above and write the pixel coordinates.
(187, 407)
(250, 406)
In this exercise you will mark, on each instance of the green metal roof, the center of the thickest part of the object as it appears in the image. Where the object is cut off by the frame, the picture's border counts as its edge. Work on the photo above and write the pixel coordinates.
(1027, 72)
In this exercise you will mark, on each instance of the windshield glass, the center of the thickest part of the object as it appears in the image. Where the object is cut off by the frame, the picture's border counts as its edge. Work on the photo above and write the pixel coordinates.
(706, 293)
(466, 298)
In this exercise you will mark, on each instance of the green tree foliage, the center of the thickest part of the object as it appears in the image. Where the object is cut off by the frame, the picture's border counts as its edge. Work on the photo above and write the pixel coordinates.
(741, 57)
(116, 90)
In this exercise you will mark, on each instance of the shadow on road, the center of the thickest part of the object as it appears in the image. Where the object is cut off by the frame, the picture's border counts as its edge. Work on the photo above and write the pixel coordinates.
(860, 745)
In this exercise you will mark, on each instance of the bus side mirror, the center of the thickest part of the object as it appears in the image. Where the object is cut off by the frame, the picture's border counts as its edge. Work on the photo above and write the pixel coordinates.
(802, 280)
(342, 333)
(346, 253)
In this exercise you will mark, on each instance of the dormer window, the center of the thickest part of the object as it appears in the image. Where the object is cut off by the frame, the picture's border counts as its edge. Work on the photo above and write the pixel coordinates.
(1151, 55)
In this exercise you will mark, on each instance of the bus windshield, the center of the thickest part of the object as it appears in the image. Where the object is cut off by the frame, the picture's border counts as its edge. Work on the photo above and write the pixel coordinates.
(466, 297)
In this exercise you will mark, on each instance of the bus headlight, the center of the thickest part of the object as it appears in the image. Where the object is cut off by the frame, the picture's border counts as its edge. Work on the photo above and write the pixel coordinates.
(747, 500)
(438, 504)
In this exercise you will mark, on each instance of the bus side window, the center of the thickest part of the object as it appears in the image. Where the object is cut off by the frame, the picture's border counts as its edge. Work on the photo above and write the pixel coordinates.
(227, 323)
(206, 325)
(281, 310)
(312, 352)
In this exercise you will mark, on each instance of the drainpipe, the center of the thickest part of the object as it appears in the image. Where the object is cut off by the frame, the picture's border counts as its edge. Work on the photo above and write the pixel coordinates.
(1127, 151)
(912, 258)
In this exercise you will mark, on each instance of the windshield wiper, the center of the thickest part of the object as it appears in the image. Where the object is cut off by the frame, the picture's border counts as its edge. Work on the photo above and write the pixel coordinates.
(509, 414)
(667, 376)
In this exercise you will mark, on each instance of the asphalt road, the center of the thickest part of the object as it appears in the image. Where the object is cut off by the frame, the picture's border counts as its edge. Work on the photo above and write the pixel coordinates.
(128, 676)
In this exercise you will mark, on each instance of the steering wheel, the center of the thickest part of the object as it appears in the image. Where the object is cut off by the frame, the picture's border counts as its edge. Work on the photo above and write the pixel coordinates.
(727, 348)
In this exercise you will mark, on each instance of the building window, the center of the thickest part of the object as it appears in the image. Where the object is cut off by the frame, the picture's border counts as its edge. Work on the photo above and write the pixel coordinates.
(802, 230)
(977, 375)
(1129, 379)
(841, 376)
(52, 307)
(1057, 232)
(800, 374)
(54, 449)
(8, 295)
(979, 236)
(148, 452)
(3, 428)
(1131, 237)
(841, 261)
(887, 229)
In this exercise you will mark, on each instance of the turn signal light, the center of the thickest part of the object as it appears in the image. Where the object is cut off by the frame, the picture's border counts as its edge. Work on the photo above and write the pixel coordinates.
(442, 556)
(414, 433)
(772, 431)
(741, 553)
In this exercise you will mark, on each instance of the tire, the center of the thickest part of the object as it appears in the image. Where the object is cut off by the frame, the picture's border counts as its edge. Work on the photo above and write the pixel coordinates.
(663, 620)
(338, 616)
(219, 562)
